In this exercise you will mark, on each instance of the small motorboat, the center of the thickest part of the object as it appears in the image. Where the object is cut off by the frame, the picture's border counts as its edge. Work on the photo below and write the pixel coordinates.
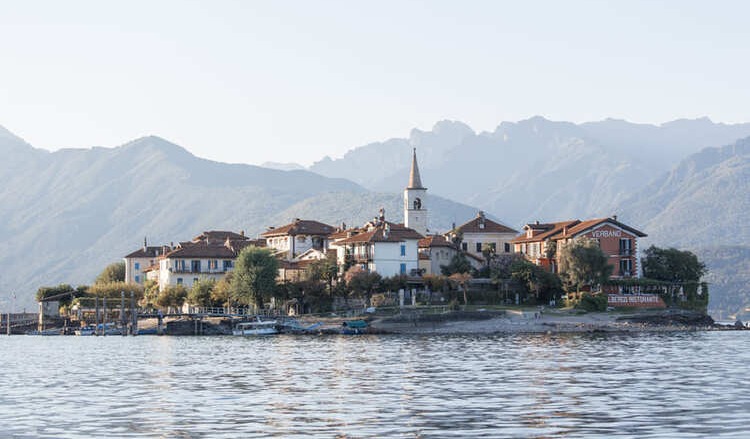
(354, 327)
(85, 330)
(257, 327)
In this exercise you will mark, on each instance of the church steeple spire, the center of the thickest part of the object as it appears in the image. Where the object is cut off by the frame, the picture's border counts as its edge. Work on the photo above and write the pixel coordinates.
(415, 182)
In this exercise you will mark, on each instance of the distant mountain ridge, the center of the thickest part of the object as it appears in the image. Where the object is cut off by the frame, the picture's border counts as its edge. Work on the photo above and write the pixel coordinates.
(66, 214)
(527, 170)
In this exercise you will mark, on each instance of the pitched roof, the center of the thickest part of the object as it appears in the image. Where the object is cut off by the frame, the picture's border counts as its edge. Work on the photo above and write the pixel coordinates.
(475, 226)
(415, 181)
(202, 250)
(435, 241)
(383, 233)
(301, 227)
(589, 224)
(145, 252)
(219, 235)
(547, 231)
(569, 229)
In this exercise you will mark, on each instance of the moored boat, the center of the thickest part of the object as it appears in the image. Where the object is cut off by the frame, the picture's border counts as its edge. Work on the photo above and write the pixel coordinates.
(257, 327)
(353, 327)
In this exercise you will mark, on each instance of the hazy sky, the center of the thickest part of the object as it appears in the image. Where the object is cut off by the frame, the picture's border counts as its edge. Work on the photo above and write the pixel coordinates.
(244, 81)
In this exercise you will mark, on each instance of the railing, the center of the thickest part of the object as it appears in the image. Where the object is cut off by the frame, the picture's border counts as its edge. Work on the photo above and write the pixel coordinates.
(190, 270)
(626, 252)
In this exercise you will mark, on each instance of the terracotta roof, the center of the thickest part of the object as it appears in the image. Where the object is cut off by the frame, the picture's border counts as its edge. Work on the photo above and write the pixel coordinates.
(569, 229)
(549, 231)
(395, 233)
(219, 235)
(435, 241)
(588, 224)
(301, 227)
(145, 252)
(203, 251)
(474, 226)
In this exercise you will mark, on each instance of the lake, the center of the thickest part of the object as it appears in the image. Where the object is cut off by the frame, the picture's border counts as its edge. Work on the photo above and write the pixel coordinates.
(583, 385)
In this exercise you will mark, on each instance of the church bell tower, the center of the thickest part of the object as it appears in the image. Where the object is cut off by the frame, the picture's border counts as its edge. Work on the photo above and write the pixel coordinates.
(415, 200)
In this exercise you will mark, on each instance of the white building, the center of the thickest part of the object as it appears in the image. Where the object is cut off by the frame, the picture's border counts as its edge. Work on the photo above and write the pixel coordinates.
(386, 248)
(481, 233)
(138, 262)
(297, 237)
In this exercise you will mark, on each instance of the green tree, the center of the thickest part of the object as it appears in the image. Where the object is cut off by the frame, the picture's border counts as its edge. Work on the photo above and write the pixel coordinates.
(114, 290)
(200, 293)
(150, 293)
(672, 265)
(324, 270)
(582, 262)
(221, 292)
(535, 279)
(114, 272)
(461, 281)
(458, 264)
(434, 282)
(254, 276)
(363, 282)
(172, 297)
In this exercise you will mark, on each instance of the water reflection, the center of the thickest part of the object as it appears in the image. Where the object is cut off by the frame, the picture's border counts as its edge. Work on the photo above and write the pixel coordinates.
(657, 385)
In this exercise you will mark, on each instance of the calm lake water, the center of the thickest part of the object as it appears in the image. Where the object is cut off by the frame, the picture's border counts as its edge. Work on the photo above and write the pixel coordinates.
(643, 385)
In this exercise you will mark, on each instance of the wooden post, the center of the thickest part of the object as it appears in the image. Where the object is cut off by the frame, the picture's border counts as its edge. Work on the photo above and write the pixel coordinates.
(104, 315)
(40, 325)
(8, 321)
(123, 322)
(96, 315)
(133, 315)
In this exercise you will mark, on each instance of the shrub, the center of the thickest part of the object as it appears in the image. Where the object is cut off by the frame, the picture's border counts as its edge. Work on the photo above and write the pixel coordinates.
(592, 302)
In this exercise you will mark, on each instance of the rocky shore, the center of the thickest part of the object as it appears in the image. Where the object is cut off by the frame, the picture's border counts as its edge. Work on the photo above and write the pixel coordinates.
(486, 322)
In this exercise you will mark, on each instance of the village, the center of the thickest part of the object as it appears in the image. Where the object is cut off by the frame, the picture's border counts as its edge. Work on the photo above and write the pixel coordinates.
(379, 267)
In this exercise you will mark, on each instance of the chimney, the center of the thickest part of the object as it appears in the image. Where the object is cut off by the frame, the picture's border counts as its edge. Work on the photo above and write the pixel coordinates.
(537, 222)
(614, 217)
(145, 244)
(481, 219)
(242, 233)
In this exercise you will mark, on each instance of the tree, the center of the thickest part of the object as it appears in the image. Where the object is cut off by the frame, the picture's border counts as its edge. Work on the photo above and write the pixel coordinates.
(220, 294)
(458, 264)
(324, 270)
(535, 279)
(172, 297)
(254, 276)
(150, 293)
(114, 290)
(461, 280)
(434, 282)
(582, 262)
(200, 293)
(114, 272)
(363, 282)
(672, 265)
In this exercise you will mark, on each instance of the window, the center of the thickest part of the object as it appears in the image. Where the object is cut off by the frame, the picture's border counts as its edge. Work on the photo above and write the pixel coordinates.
(195, 279)
(137, 266)
(179, 281)
(626, 267)
(137, 279)
(507, 247)
(227, 265)
(403, 249)
(195, 266)
(626, 247)
(479, 247)
(403, 269)
(464, 246)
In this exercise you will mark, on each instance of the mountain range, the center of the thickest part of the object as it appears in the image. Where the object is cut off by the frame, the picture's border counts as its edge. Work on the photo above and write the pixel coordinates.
(67, 214)
(70, 212)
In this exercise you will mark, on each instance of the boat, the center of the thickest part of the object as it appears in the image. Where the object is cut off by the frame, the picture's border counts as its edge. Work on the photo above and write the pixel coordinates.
(353, 327)
(293, 326)
(257, 327)
(85, 330)
(46, 332)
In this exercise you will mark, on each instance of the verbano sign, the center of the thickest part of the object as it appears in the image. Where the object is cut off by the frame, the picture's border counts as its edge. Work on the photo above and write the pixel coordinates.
(606, 234)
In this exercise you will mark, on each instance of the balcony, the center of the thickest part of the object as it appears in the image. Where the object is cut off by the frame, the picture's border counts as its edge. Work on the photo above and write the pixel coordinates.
(626, 252)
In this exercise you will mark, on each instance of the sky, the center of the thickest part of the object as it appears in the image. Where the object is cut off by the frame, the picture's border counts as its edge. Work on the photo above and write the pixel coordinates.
(293, 81)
